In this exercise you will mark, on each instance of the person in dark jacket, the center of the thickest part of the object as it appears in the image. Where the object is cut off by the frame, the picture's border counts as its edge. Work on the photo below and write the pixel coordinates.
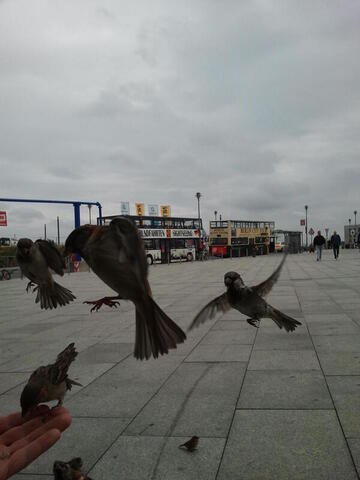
(319, 242)
(335, 243)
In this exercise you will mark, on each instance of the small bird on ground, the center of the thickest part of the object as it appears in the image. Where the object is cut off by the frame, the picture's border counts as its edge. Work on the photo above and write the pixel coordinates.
(248, 300)
(191, 444)
(115, 252)
(35, 259)
(69, 470)
(49, 382)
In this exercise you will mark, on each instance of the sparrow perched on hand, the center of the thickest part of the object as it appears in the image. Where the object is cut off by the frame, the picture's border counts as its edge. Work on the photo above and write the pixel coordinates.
(115, 252)
(69, 470)
(50, 382)
(34, 260)
(248, 300)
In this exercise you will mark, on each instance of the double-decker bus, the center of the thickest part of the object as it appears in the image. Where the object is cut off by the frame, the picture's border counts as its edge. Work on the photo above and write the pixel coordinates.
(235, 238)
(167, 239)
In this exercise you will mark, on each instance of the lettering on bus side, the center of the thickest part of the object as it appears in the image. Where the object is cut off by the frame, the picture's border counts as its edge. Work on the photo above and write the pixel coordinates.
(152, 233)
(182, 233)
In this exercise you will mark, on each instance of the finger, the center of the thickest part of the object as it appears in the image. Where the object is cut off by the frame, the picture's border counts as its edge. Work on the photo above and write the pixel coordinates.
(20, 431)
(60, 422)
(15, 419)
(10, 421)
(29, 453)
(17, 433)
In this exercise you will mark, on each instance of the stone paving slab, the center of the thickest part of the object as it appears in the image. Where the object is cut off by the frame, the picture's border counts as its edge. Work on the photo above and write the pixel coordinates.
(285, 390)
(88, 437)
(163, 459)
(266, 404)
(285, 445)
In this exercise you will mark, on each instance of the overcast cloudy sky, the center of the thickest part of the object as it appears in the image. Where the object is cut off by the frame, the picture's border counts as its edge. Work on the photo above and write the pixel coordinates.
(256, 104)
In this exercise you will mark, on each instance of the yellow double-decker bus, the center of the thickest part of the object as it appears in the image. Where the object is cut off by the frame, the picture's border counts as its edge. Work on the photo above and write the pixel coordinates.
(235, 238)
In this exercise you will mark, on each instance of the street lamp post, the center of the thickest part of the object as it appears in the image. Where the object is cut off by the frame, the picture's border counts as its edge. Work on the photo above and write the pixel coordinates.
(306, 226)
(89, 206)
(355, 213)
(215, 213)
(198, 196)
(349, 230)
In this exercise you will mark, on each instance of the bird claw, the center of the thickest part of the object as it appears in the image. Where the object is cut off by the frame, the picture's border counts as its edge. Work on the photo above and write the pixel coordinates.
(254, 322)
(29, 285)
(103, 301)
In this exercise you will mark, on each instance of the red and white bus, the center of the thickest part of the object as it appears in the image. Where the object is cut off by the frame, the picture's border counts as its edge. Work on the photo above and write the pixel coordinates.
(167, 239)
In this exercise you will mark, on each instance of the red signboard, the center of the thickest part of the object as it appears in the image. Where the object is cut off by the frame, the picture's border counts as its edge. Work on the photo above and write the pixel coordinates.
(3, 219)
(302, 222)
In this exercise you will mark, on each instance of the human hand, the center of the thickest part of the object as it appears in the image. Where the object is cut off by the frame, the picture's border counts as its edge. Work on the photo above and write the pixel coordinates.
(22, 440)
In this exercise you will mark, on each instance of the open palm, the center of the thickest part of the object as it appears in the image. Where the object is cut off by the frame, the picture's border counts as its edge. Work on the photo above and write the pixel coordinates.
(23, 440)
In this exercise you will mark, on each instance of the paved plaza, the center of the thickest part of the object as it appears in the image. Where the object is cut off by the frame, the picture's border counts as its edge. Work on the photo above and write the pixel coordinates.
(265, 404)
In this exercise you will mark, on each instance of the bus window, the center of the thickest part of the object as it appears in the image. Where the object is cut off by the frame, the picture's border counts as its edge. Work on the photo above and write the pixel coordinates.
(219, 241)
(146, 222)
(240, 241)
(189, 224)
(149, 244)
(260, 239)
(177, 243)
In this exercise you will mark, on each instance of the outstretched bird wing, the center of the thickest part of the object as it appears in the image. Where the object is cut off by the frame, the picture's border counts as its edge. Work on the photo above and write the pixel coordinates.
(264, 288)
(52, 256)
(58, 371)
(218, 305)
(128, 238)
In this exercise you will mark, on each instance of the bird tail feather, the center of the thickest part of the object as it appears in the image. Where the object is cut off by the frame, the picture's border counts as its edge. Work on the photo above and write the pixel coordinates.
(156, 333)
(282, 320)
(52, 295)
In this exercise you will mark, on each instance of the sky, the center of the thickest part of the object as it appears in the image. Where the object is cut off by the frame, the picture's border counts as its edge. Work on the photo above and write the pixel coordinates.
(255, 104)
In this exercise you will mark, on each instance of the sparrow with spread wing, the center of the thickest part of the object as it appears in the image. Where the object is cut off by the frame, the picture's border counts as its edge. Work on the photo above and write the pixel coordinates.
(115, 252)
(248, 300)
(50, 382)
(69, 470)
(35, 259)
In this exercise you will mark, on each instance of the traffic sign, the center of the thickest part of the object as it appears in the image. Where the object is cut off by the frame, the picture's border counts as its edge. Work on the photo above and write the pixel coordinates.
(311, 231)
(302, 222)
(3, 219)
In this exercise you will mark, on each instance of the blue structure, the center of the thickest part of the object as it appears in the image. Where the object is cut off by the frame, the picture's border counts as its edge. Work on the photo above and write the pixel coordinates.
(76, 204)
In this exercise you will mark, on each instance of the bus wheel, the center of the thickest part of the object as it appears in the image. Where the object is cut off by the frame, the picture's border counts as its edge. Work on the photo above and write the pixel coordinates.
(189, 257)
(5, 275)
(149, 259)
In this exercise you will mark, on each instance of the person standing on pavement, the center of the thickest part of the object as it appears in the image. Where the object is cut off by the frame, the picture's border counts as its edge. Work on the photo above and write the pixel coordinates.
(358, 240)
(319, 242)
(335, 243)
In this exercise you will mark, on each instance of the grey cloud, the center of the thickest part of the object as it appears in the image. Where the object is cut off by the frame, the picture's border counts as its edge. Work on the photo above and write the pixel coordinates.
(254, 104)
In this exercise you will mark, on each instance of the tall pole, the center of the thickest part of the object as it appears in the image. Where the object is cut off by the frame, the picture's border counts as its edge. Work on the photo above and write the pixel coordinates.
(349, 230)
(215, 213)
(306, 225)
(89, 206)
(58, 230)
(220, 217)
(45, 231)
(355, 213)
(198, 195)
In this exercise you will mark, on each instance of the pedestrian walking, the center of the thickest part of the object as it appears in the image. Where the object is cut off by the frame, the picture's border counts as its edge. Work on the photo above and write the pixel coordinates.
(319, 242)
(358, 240)
(335, 243)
